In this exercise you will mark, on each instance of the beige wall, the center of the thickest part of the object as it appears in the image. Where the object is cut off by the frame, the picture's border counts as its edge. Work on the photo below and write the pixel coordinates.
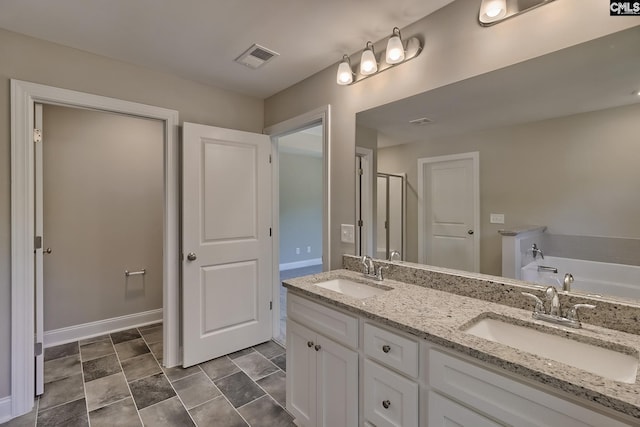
(103, 214)
(577, 175)
(456, 48)
(30, 59)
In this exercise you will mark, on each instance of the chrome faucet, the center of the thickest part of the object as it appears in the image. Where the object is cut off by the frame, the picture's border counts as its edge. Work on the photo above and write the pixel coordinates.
(553, 313)
(568, 280)
(535, 251)
(395, 256)
(370, 270)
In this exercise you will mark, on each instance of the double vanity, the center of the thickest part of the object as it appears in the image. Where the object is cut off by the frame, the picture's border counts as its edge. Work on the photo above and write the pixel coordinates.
(427, 347)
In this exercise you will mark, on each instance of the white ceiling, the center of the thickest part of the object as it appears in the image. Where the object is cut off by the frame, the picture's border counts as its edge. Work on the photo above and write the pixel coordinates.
(592, 76)
(199, 39)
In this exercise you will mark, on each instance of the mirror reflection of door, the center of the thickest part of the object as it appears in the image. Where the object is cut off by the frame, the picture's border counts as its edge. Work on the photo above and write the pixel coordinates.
(390, 215)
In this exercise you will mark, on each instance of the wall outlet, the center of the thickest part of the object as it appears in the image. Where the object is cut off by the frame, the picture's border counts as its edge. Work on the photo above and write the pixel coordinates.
(496, 218)
(297, 251)
(308, 249)
(347, 233)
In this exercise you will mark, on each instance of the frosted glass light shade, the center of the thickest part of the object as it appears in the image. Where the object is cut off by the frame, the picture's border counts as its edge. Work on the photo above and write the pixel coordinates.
(368, 63)
(493, 10)
(345, 74)
(395, 49)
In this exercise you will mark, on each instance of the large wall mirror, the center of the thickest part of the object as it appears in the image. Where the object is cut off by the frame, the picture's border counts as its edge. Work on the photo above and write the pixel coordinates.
(556, 141)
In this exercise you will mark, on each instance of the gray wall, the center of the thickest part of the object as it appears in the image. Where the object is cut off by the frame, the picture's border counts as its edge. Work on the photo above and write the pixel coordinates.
(300, 206)
(577, 175)
(456, 48)
(103, 214)
(30, 59)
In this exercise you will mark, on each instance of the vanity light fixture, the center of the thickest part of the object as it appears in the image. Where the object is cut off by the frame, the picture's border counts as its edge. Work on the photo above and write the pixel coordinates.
(398, 51)
(494, 11)
(368, 62)
(345, 73)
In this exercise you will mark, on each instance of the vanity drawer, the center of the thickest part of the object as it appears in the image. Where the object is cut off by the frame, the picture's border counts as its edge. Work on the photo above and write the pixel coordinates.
(505, 399)
(390, 400)
(333, 324)
(391, 349)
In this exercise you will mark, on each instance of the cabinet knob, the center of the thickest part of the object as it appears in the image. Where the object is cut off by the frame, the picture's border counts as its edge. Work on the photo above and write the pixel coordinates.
(386, 348)
(309, 344)
(386, 404)
(317, 347)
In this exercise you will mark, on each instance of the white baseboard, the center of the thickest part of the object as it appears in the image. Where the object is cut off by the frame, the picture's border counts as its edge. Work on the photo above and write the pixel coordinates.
(300, 264)
(5, 409)
(92, 329)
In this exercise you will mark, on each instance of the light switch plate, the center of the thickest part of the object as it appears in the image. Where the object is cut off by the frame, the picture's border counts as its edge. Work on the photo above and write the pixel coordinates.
(496, 218)
(347, 233)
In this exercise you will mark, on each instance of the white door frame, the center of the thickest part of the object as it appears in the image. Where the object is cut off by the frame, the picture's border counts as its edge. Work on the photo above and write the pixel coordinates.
(364, 196)
(475, 157)
(23, 97)
(320, 115)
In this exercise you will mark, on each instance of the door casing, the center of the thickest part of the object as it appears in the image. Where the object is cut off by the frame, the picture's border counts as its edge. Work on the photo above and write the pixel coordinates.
(23, 97)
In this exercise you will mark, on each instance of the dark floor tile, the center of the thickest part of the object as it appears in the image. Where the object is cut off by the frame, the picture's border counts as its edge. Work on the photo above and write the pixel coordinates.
(219, 368)
(255, 365)
(140, 367)
(132, 348)
(239, 389)
(169, 413)
(102, 367)
(265, 412)
(119, 414)
(59, 351)
(280, 362)
(269, 349)
(122, 336)
(240, 353)
(151, 390)
(62, 391)
(96, 349)
(217, 413)
(275, 385)
(70, 414)
(91, 340)
(61, 368)
(152, 335)
(195, 390)
(105, 391)
(178, 372)
(156, 349)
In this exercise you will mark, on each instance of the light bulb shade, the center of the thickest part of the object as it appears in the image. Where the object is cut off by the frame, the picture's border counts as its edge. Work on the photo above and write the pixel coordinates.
(395, 49)
(345, 73)
(493, 10)
(368, 63)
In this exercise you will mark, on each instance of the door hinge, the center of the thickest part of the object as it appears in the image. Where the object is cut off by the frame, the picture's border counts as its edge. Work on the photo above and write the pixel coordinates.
(269, 158)
(360, 172)
(37, 244)
(37, 349)
(386, 225)
(37, 135)
(360, 223)
(270, 231)
(270, 305)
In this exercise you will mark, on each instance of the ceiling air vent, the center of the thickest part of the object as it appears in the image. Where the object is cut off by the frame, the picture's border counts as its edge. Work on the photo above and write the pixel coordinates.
(421, 121)
(256, 56)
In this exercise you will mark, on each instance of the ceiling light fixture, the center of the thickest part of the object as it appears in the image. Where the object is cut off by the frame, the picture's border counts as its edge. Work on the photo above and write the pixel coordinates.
(345, 73)
(397, 52)
(494, 11)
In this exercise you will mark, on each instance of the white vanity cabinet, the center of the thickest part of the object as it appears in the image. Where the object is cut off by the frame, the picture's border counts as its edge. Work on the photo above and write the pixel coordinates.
(322, 373)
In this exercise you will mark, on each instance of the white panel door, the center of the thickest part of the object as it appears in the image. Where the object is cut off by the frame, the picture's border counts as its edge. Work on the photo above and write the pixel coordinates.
(449, 211)
(226, 215)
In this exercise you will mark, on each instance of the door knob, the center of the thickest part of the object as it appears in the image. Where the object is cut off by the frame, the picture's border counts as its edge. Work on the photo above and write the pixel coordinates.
(309, 344)
(386, 348)
(386, 404)
(470, 232)
(48, 250)
(191, 256)
(317, 347)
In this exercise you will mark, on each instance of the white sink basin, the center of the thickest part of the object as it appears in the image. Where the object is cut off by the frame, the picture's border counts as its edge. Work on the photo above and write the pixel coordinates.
(353, 289)
(598, 360)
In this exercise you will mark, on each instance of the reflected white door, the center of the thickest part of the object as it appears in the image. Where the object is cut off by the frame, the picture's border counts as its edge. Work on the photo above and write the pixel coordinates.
(226, 241)
(449, 211)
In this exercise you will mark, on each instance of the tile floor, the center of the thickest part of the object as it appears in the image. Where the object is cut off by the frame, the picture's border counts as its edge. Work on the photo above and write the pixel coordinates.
(117, 380)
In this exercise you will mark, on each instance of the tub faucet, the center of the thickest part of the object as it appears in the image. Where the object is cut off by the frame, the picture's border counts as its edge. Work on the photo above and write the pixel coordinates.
(535, 251)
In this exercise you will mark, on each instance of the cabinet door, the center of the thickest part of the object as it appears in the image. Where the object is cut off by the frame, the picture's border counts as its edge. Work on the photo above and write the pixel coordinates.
(301, 374)
(446, 413)
(337, 376)
(390, 400)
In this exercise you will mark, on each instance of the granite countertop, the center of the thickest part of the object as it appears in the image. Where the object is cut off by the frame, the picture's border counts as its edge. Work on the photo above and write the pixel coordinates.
(439, 317)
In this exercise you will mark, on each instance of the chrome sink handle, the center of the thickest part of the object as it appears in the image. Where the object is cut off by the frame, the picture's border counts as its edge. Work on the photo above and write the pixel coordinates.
(379, 270)
(572, 313)
(539, 308)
